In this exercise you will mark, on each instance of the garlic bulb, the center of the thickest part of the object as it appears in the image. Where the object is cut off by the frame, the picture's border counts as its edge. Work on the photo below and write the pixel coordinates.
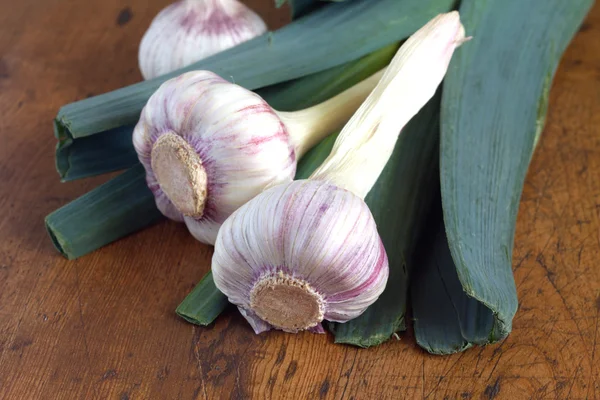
(209, 146)
(190, 30)
(305, 251)
(299, 253)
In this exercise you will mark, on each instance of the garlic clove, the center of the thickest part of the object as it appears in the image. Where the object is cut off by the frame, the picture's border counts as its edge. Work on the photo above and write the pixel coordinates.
(189, 30)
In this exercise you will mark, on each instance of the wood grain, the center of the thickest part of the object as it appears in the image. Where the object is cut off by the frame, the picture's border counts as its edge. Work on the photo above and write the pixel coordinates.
(104, 327)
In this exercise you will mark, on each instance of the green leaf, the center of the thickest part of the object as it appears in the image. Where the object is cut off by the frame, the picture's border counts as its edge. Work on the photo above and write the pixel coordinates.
(439, 330)
(493, 108)
(94, 155)
(113, 210)
(330, 36)
(313, 89)
(204, 304)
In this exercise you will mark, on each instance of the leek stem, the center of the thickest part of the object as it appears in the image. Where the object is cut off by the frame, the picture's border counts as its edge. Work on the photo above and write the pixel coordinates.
(204, 303)
(113, 210)
(94, 155)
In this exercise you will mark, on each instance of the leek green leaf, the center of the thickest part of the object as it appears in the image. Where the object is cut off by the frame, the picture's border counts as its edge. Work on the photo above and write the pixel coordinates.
(113, 210)
(204, 303)
(97, 154)
(493, 108)
(428, 287)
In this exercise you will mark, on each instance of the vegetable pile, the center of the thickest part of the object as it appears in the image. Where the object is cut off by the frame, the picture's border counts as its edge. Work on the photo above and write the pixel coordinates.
(235, 133)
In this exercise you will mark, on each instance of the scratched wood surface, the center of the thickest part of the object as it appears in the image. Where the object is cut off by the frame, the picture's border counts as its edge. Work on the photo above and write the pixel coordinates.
(104, 327)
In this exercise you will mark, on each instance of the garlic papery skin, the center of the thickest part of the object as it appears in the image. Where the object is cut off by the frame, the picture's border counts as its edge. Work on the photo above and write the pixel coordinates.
(190, 30)
(209, 146)
(288, 258)
(309, 250)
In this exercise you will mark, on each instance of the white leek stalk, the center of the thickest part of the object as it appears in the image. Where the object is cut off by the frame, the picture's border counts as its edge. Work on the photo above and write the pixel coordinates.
(308, 250)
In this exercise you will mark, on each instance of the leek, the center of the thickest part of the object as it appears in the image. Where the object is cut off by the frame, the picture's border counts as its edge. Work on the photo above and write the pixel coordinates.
(113, 210)
(493, 110)
(204, 304)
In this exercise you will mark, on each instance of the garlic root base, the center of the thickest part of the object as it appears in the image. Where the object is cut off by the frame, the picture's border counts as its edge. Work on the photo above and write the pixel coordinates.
(287, 303)
(180, 174)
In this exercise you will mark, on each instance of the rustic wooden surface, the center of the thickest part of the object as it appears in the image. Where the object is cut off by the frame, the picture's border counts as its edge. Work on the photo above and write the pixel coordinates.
(104, 327)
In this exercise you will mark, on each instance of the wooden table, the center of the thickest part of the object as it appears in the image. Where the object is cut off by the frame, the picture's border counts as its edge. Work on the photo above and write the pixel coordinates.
(104, 326)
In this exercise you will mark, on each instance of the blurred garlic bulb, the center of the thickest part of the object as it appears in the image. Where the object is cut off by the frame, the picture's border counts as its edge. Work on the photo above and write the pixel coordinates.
(209, 146)
(190, 30)
(308, 250)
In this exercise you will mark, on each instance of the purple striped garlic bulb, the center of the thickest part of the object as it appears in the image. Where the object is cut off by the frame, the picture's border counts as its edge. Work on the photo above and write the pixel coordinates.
(189, 30)
(289, 259)
(209, 146)
(306, 251)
